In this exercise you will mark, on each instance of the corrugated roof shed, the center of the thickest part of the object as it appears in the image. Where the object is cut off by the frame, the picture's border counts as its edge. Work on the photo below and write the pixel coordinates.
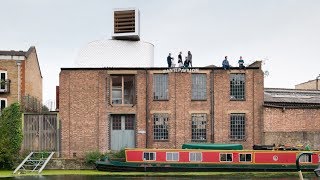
(291, 98)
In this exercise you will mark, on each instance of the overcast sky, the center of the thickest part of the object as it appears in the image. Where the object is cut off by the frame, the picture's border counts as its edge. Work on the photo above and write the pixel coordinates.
(283, 33)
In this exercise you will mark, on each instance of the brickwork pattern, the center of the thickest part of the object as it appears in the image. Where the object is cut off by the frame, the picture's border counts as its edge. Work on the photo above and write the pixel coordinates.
(12, 73)
(85, 109)
(32, 76)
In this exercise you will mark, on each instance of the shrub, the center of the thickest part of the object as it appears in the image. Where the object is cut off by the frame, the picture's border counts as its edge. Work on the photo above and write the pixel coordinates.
(92, 157)
(120, 154)
(10, 136)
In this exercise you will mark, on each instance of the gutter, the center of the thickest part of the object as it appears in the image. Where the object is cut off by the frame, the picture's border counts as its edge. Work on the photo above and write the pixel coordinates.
(212, 104)
(147, 109)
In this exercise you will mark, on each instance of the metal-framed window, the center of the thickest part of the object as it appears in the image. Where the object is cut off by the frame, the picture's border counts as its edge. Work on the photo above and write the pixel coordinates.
(3, 79)
(237, 86)
(123, 91)
(245, 157)
(225, 157)
(199, 87)
(160, 87)
(149, 156)
(237, 126)
(195, 156)
(199, 127)
(129, 122)
(172, 156)
(160, 127)
(116, 122)
(3, 103)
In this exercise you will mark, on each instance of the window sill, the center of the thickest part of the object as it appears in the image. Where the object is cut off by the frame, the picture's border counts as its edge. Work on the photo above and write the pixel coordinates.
(160, 140)
(199, 99)
(160, 99)
(196, 140)
(240, 140)
(237, 99)
(122, 105)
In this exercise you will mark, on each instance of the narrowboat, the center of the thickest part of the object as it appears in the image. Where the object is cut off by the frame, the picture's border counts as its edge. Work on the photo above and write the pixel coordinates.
(195, 158)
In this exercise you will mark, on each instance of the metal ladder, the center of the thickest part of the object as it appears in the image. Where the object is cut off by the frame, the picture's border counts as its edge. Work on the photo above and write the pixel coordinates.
(35, 161)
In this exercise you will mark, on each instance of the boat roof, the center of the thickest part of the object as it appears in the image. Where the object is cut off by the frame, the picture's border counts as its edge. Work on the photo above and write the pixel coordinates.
(212, 146)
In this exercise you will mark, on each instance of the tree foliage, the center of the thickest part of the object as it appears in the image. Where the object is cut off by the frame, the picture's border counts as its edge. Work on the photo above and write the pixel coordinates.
(10, 135)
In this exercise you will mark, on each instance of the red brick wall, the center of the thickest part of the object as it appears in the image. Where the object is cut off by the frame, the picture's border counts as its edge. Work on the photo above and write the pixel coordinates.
(292, 126)
(291, 120)
(85, 108)
(252, 106)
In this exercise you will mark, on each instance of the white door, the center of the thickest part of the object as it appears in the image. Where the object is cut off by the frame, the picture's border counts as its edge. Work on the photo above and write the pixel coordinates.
(122, 132)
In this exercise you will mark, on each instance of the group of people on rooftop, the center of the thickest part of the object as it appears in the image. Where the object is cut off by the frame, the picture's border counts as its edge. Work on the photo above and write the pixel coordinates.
(226, 65)
(188, 61)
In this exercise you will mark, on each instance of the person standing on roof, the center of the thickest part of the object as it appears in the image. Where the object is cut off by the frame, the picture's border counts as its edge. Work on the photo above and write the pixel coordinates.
(169, 60)
(180, 60)
(189, 58)
(241, 66)
(225, 63)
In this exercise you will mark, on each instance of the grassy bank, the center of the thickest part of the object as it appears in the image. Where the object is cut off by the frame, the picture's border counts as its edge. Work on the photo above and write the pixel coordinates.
(211, 174)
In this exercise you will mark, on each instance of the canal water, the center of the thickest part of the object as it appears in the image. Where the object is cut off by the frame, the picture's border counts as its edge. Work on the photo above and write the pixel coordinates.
(82, 177)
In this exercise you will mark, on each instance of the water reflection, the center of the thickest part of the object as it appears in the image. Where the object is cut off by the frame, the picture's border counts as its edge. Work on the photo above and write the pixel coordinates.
(82, 177)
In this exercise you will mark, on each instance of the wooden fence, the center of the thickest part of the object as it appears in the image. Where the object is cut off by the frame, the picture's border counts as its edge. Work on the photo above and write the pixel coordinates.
(41, 132)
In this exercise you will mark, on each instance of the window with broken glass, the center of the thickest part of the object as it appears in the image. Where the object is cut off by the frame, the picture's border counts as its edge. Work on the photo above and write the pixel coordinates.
(237, 126)
(123, 91)
(160, 127)
(160, 87)
(199, 127)
(237, 86)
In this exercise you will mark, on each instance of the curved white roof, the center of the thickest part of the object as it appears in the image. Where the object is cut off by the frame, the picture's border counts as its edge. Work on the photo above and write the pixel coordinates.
(116, 53)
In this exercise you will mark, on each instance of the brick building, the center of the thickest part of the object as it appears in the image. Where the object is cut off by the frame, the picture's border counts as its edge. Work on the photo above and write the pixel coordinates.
(20, 76)
(312, 84)
(112, 108)
(292, 117)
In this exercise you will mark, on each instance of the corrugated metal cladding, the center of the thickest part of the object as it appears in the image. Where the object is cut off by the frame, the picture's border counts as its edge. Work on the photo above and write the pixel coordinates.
(124, 21)
(116, 53)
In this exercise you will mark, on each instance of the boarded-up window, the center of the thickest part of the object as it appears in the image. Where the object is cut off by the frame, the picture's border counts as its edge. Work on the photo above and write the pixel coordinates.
(199, 87)
(160, 86)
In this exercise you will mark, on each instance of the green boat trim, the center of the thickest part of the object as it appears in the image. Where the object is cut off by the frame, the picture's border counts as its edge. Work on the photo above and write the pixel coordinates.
(213, 146)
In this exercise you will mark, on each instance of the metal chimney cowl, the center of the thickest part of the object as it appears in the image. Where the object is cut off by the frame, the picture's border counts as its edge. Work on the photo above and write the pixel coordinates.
(126, 24)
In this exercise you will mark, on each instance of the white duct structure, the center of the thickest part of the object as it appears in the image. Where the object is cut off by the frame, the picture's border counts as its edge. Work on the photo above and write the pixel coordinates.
(116, 53)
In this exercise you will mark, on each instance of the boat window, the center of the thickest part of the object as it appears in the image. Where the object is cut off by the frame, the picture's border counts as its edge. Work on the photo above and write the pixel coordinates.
(225, 157)
(195, 156)
(172, 156)
(149, 156)
(245, 157)
(305, 158)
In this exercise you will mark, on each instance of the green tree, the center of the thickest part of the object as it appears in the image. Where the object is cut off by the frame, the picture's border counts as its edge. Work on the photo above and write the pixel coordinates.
(10, 135)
